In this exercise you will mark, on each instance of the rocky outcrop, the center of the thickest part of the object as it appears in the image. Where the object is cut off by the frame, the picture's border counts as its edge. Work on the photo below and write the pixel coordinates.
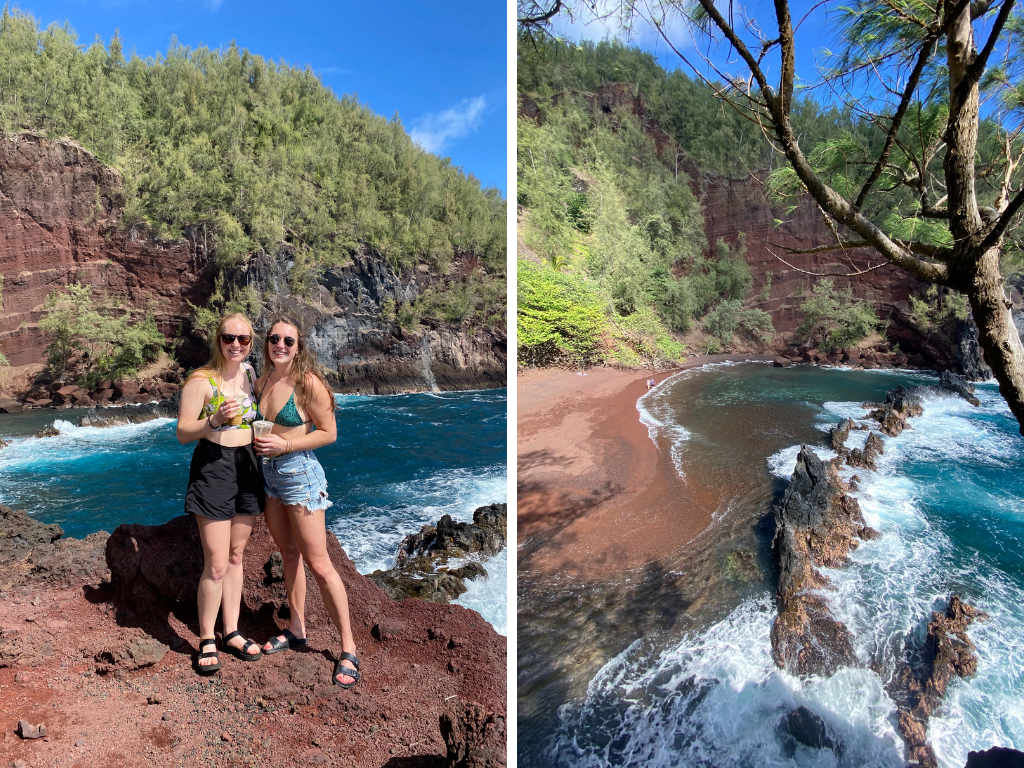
(363, 352)
(921, 682)
(119, 416)
(902, 403)
(32, 552)
(419, 570)
(817, 524)
(60, 215)
(996, 757)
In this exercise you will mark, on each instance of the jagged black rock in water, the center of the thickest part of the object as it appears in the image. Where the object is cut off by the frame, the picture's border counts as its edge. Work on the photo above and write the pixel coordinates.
(419, 570)
(120, 415)
(805, 727)
(926, 670)
(817, 525)
(996, 757)
(959, 385)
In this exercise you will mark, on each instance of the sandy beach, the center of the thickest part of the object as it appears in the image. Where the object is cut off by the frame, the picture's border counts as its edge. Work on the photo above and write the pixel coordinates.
(595, 496)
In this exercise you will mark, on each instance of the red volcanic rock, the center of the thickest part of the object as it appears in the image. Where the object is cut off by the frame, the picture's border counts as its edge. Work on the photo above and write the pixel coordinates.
(60, 211)
(474, 738)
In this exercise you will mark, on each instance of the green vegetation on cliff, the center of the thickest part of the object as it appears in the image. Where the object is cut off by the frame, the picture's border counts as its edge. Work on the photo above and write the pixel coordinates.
(240, 153)
(598, 203)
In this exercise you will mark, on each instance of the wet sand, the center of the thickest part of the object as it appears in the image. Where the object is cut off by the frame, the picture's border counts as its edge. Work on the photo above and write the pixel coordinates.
(595, 496)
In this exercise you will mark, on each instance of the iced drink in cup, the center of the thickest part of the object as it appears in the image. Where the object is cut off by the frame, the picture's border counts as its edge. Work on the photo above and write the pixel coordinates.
(236, 420)
(262, 428)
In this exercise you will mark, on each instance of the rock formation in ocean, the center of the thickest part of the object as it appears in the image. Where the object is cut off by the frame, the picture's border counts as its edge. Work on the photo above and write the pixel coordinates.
(817, 524)
(61, 212)
(996, 757)
(419, 569)
(926, 672)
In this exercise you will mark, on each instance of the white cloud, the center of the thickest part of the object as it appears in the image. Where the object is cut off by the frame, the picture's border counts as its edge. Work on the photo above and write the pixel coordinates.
(434, 130)
(605, 20)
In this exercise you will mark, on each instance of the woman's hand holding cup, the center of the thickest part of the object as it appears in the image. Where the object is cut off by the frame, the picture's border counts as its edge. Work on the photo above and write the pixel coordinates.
(270, 446)
(227, 411)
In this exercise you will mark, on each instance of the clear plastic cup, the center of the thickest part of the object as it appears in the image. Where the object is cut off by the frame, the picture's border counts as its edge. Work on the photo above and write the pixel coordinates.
(236, 420)
(262, 428)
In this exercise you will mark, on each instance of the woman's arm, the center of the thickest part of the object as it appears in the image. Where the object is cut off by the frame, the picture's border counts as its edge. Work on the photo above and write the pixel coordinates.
(191, 425)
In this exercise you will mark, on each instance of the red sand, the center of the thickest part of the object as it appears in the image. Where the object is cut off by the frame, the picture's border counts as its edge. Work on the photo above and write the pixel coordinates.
(591, 484)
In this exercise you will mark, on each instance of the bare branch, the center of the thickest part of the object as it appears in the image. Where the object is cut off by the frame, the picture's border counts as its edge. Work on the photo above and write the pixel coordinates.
(828, 274)
(541, 18)
(977, 68)
(1001, 224)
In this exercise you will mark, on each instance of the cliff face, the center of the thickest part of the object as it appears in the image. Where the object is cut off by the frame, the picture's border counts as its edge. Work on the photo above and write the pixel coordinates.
(363, 352)
(738, 205)
(60, 210)
(59, 213)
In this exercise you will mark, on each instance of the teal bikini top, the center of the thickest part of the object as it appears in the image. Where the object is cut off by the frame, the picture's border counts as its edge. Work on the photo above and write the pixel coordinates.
(249, 412)
(288, 416)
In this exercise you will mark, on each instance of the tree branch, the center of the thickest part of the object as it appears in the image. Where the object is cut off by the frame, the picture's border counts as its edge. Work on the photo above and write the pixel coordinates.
(828, 274)
(546, 16)
(897, 119)
(977, 68)
(1000, 225)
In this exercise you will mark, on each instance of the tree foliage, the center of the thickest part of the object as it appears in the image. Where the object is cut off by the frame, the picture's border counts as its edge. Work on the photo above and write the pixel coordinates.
(93, 337)
(239, 153)
(834, 319)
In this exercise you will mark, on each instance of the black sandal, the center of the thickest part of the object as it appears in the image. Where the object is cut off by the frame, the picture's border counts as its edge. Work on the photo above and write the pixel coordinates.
(348, 671)
(290, 642)
(239, 653)
(207, 669)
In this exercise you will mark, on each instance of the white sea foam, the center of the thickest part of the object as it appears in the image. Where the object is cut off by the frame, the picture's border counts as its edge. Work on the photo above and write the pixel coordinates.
(655, 414)
(489, 597)
(370, 535)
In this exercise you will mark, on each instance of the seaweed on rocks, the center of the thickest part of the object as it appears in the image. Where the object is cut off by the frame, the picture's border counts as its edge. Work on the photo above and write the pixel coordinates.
(419, 564)
(818, 524)
(927, 669)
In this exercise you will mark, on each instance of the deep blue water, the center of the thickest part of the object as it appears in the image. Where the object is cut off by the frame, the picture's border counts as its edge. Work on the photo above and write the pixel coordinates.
(948, 500)
(399, 462)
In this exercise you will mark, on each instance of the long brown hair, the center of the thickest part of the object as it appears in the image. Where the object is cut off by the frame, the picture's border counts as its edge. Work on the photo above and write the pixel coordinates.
(217, 362)
(304, 364)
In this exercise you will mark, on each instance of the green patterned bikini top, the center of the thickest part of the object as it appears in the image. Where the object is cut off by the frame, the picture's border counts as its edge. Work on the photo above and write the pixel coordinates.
(249, 412)
(288, 416)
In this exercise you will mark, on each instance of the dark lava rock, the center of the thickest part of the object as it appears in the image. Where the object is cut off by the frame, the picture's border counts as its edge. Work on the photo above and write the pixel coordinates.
(474, 738)
(839, 434)
(48, 431)
(817, 524)
(960, 386)
(140, 652)
(921, 682)
(118, 416)
(418, 570)
(32, 552)
(808, 729)
(28, 731)
(781, 362)
(996, 757)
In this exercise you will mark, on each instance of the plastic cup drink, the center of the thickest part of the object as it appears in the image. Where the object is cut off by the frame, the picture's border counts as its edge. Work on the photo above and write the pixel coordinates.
(236, 420)
(262, 428)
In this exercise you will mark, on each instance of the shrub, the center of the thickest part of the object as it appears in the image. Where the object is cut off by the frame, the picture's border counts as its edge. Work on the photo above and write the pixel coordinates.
(835, 318)
(560, 317)
(641, 338)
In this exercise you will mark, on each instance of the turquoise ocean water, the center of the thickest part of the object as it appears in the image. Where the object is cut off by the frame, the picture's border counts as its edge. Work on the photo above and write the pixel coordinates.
(399, 462)
(948, 499)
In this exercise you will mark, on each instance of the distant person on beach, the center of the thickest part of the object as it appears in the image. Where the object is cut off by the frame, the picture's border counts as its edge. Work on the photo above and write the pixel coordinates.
(225, 489)
(295, 395)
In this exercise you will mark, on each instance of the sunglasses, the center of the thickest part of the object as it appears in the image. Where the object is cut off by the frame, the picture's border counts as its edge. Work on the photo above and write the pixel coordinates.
(276, 339)
(243, 338)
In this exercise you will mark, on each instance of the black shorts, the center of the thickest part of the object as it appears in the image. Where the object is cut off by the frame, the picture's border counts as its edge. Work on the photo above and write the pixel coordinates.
(224, 482)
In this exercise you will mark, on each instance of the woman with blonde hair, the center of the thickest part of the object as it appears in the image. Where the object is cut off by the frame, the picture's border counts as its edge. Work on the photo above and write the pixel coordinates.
(295, 395)
(225, 489)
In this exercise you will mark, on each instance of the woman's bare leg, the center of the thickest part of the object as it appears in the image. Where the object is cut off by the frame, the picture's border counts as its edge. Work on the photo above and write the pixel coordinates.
(231, 588)
(279, 523)
(216, 538)
(311, 536)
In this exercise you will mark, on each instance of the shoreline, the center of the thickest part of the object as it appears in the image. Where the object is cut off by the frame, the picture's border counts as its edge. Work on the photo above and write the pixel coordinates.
(595, 495)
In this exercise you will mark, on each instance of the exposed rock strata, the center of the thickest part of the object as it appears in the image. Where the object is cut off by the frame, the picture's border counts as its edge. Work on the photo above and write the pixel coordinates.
(419, 570)
(817, 526)
(363, 352)
(921, 683)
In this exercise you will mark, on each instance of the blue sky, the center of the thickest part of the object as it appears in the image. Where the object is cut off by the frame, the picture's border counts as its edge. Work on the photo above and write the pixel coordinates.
(441, 67)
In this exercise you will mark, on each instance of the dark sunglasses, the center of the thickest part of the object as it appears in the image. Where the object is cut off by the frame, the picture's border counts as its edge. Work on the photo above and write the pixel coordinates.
(243, 338)
(276, 339)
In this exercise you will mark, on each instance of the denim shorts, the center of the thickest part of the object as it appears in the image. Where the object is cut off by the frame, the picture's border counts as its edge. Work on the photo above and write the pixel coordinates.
(296, 478)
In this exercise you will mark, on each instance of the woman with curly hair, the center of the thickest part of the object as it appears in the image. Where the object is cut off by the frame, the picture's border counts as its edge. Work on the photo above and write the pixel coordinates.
(294, 394)
(225, 490)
